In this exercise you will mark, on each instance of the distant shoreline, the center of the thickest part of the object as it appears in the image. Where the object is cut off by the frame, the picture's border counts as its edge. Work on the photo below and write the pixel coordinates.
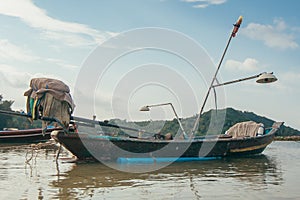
(287, 138)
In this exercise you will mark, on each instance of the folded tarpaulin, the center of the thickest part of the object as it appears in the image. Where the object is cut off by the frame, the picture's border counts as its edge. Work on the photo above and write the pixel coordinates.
(244, 129)
(58, 89)
(49, 98)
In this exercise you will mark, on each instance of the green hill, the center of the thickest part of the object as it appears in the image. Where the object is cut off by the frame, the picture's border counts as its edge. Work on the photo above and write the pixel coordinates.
(222, 120)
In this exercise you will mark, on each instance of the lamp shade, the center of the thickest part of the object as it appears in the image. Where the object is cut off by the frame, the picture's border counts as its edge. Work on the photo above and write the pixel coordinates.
(145, 108)
(266, 78)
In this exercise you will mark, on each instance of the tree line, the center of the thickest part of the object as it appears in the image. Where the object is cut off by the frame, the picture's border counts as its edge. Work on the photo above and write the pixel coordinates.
(211, 122)
(9, 121)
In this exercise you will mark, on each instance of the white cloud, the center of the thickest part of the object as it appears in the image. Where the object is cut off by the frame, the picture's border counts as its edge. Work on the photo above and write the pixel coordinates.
(290, 81)
(62, 63)
(291, 77)
(12, 77)
(9, 51)
(249, 64)
(15, 78)
(204, 3)
(70, 39)
(72, 34)
(14, 82)
(274, 36)
(12, 52)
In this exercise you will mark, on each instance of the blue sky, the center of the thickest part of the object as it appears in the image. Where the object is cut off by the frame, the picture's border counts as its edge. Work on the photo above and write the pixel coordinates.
(55, 38)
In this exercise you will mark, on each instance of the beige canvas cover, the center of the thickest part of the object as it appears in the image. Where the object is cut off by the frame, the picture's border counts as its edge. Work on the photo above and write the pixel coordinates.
(57, 88)
(53, 97)
(244, 129)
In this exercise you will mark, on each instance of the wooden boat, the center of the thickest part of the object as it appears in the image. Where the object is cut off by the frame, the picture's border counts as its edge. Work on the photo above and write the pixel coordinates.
(105, 147)
(128, 149)
(26, 135)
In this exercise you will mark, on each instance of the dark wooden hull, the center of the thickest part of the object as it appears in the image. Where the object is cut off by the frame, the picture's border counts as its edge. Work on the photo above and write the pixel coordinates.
(102, 148)
(25, 136)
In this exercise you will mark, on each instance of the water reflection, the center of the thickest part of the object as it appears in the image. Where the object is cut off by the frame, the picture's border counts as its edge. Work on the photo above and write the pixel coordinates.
(43, 179)
(259, 170)
(84, 180)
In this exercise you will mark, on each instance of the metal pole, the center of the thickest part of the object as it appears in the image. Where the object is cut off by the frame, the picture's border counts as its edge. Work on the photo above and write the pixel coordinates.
(49, 119)
(236, 26)
(73, 118)
(210, 87)
(179, 122)
(90, 121)
(236, 81)
(157, 105)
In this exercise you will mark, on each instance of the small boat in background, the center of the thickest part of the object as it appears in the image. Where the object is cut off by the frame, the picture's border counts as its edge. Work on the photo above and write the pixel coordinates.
(35, 135)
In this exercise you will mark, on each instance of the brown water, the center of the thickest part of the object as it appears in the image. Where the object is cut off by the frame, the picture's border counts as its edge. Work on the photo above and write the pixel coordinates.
(274, 175)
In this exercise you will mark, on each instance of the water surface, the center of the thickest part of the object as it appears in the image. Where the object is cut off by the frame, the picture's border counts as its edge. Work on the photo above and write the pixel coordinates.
(273, 175)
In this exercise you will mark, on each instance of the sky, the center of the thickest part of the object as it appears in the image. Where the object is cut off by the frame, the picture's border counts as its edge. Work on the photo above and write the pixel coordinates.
(117, 56)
